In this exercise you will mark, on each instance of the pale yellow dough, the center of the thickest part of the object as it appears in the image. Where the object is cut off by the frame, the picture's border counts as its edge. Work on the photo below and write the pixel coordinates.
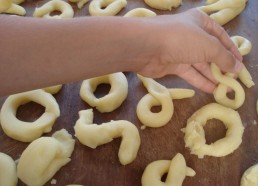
(111, 101)
(106, 7)
(12, 7)
(53, 89)
(257, 107)
(158, 96)
(223, 11)
(163, 4)
(250, 176)
(41, 160)
(176, 170)
(195, 134)
(54, 5)
(140, 12)
(28, 131)
(80, 3)
(8, 175)
(93, 135)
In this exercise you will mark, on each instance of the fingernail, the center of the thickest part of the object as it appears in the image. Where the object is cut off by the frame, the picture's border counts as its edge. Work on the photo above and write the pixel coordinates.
(238, 66)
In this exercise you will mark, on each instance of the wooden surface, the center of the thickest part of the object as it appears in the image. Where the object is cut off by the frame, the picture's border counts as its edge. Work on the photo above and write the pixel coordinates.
(101, 166)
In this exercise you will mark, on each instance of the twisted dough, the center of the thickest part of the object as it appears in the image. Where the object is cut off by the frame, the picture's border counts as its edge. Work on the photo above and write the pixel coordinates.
(44, 157)
(28, 131)
(106, 7)
(12, 7)
(250, 177)
(158, 96)
(53, 89)
(8, 176)
(54, 5)
(195, 135)
(163, 4)
(225, 10)
(111, 101)
(80, 3)
(93, 135)
(176, 170)
(140, 12)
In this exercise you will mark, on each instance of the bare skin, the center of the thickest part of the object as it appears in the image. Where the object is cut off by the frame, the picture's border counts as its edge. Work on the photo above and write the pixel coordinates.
(37, 53)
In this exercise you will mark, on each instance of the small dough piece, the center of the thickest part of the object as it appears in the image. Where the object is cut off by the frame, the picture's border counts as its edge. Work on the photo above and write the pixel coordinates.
(80, 3)
(54, 5)
(93, 135)
(111, 101)
(223, 11)
(53, 89)
(250, 177)
(8, 176)
(257, 107)
(176, 170)
(195, 134)
(41, 160)
(140, 12)
(28, 131)
(225, 81)
(11, 7)
(163, 4)
(106, 7)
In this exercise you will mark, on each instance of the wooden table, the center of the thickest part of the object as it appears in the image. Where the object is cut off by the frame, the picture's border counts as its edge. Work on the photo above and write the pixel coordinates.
(101, 166)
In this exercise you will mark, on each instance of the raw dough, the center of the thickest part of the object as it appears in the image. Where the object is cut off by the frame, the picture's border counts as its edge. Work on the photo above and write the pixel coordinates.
(257, 107)
(195, 134)
(11, 7)
(250, 176)
(28, 131)
(41, 160)
(53, 89)
(8, 176)
(80, 3)
(111, 101)
(106, 7)
(223, 11)
(176, 170)
(54, 5)
(93, 135)
(163, 4)
(140, 12)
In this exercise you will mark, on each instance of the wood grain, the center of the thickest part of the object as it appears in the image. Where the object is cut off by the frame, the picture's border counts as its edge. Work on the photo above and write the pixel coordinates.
(101, 166)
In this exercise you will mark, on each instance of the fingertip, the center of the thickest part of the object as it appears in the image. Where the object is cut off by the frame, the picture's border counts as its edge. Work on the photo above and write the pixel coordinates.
(238, 66)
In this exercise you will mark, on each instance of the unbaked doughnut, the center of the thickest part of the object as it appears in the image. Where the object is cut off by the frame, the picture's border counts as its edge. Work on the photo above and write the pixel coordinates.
(28, 131)
(195, 134)
(8, 176)
(250, 177)
(220, 92)
(163, 4)
(53, 89)
(80, 3)
(11, 7)
(54, 5)
(111, 101)
(43, 157)
(106, 7)
(176, 170)
(223, 11)
(93, 135)
(140, 12)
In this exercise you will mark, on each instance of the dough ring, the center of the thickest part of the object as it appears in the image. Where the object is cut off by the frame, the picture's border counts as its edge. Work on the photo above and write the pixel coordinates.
(11, 7)
(93, 135)
(80, 3)
(28, 131)
(111, 101)
(195, 134)
(53, 89)
(163, 4)
(158, 96)
(54, 5)
(106, 7)
(220, 93)
(176, 170)
(41, 160)
(250, 177)
(225, 10)
(8, 176)
(140, 12)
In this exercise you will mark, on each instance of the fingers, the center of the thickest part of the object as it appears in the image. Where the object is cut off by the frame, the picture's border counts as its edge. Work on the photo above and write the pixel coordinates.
(205, 70)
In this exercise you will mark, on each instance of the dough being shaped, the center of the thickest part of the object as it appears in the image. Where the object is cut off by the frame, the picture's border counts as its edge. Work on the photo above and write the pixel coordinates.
(140, 12)
(53, 89)
(158, 96)
(106, 7)
(41, 160)
(28, 131)
(195, 134)
(250, 177)
(163, 4)
(93, 135)
(176, 170)
(8, 176)
(223, 11)
(11, 7)
(116, 96)
(54, 5)
(220, 92)
(80, 3)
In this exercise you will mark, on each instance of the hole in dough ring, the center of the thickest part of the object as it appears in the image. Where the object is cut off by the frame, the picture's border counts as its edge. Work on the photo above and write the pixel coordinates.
(28, 131)
(163, 4)
(250, 177)
(195, 135)
(54, 5)
(111, 101)
(8, 176)
(112, 7)
(140, 12)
